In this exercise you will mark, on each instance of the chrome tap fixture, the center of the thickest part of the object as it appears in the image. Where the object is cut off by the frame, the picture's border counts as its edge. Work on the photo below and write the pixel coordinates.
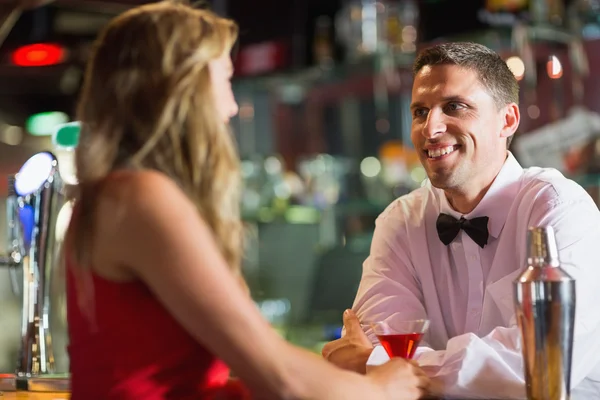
(34, 199)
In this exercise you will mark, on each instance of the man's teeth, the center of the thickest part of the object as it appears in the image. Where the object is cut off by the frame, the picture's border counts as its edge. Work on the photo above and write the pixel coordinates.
(440, 151)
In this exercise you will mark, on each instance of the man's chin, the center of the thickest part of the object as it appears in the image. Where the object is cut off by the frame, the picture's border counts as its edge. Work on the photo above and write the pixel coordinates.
(439, 181)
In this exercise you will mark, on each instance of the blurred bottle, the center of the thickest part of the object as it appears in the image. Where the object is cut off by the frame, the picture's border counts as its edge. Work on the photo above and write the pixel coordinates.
(409, 20)
(506, 5)
(547, 12)
(357, 27)
(323, 42)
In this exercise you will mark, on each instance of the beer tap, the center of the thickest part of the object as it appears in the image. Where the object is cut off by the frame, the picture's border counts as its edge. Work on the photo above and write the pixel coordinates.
(35, 195)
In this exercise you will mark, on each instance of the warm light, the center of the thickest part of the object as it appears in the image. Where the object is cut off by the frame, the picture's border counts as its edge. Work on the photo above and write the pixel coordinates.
(66, 165)
(38, 55)
(382, 125)
(370, 167)
(34, 173)
(246, 111)
(554, 68)
(11, 135)
(517, 67)
(533, 111)
(62, 221)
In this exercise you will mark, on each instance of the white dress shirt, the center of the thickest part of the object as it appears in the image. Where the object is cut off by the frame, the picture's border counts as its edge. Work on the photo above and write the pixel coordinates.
(473, 344)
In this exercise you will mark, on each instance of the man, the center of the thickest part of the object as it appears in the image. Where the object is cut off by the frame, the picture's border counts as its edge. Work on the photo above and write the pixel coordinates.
(428, 262)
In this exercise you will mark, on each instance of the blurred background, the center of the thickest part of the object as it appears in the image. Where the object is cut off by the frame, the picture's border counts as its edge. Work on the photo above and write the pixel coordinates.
(324, 122)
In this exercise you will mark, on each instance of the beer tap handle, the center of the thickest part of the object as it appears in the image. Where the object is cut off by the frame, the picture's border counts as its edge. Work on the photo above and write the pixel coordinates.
(15, 243)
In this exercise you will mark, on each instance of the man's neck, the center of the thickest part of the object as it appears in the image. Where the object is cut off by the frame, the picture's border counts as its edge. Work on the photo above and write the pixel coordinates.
(464, 200)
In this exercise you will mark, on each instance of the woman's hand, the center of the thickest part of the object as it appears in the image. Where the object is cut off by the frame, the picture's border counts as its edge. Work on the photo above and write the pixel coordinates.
(400, 379)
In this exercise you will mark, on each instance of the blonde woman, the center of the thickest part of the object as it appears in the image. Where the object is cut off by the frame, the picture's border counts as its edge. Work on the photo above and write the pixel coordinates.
(157, 307)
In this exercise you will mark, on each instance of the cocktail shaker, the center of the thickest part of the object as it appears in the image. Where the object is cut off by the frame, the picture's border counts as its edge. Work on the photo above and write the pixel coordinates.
(545, 300)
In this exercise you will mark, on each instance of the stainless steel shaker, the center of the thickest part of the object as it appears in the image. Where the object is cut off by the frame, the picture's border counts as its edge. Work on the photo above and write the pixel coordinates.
(545, 300)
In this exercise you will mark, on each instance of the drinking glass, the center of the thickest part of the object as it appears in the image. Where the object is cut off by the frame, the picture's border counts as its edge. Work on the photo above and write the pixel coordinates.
(400, 338)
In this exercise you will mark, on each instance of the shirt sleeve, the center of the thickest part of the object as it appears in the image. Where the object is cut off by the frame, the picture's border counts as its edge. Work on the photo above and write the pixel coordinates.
(493, 365)
(389, 281)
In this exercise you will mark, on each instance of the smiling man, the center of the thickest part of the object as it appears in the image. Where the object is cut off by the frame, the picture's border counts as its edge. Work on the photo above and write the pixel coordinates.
(450, 250)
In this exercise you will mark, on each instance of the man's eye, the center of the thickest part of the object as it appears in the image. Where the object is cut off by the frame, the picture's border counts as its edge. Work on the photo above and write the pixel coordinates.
(455, 106)
(419, 112)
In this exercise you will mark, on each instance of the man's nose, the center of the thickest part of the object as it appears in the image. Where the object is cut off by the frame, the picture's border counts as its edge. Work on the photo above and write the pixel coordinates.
(434, 125)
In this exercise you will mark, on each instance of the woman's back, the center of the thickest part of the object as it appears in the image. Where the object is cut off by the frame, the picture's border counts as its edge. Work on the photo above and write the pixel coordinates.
(132, 348)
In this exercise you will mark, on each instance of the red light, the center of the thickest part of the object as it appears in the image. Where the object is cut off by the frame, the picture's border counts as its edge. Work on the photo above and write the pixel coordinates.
(38, 55)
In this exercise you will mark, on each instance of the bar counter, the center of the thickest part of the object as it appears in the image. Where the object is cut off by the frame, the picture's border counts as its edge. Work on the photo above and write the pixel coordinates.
(66, 396)
(35, 396)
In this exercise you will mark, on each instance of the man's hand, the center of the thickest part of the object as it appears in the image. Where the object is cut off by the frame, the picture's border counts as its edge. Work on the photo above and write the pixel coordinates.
(352, 351)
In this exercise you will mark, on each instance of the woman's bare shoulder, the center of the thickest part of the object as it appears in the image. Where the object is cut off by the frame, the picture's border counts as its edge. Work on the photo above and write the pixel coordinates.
(139, 191)
(130, 208)
(130, 201)
(138, 213)
(138, 184)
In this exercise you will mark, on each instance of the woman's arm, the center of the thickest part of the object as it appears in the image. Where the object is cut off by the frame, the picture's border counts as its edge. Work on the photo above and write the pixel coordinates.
(159, 237)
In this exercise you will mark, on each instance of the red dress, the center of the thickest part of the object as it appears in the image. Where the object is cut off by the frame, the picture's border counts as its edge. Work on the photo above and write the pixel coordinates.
(134, 349)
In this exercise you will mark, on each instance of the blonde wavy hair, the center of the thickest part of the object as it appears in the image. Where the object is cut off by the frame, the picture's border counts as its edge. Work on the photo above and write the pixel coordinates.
(147, 103)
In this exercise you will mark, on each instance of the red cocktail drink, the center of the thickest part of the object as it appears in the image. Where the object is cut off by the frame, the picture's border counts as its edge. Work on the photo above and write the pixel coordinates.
(400, 338)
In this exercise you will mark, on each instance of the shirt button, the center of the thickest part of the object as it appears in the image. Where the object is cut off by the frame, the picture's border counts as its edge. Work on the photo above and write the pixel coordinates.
(473, 257)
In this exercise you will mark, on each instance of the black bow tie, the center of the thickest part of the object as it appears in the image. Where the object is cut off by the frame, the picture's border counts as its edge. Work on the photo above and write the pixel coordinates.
(448, 228)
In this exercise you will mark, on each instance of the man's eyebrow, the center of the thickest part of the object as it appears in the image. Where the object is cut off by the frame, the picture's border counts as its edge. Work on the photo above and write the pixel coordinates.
(458, 98)
(416, 104)
(446, 99)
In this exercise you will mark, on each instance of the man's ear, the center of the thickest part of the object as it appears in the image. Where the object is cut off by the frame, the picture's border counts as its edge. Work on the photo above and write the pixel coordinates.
(512, 118)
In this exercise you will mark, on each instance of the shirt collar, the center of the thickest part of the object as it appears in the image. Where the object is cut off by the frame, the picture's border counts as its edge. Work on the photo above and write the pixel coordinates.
(497, 201)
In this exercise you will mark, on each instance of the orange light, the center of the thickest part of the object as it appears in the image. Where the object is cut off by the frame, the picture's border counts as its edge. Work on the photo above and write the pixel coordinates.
(38, 55)
(554, 68)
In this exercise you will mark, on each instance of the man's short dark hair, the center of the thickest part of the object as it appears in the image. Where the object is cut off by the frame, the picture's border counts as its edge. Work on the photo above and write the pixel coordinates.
(492, 70)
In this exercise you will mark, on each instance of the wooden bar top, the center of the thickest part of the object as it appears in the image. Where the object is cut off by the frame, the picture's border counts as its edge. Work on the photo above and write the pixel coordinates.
(34, 396)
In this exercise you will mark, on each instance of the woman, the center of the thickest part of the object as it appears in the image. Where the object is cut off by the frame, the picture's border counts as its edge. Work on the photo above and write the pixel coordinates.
(155, 295)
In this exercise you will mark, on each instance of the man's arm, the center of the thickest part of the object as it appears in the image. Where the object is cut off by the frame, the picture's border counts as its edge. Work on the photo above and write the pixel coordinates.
(388, 281)
(493, 365)
(389, 288)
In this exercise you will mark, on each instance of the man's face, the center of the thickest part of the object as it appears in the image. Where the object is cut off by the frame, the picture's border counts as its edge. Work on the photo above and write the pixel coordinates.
(457, 129)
